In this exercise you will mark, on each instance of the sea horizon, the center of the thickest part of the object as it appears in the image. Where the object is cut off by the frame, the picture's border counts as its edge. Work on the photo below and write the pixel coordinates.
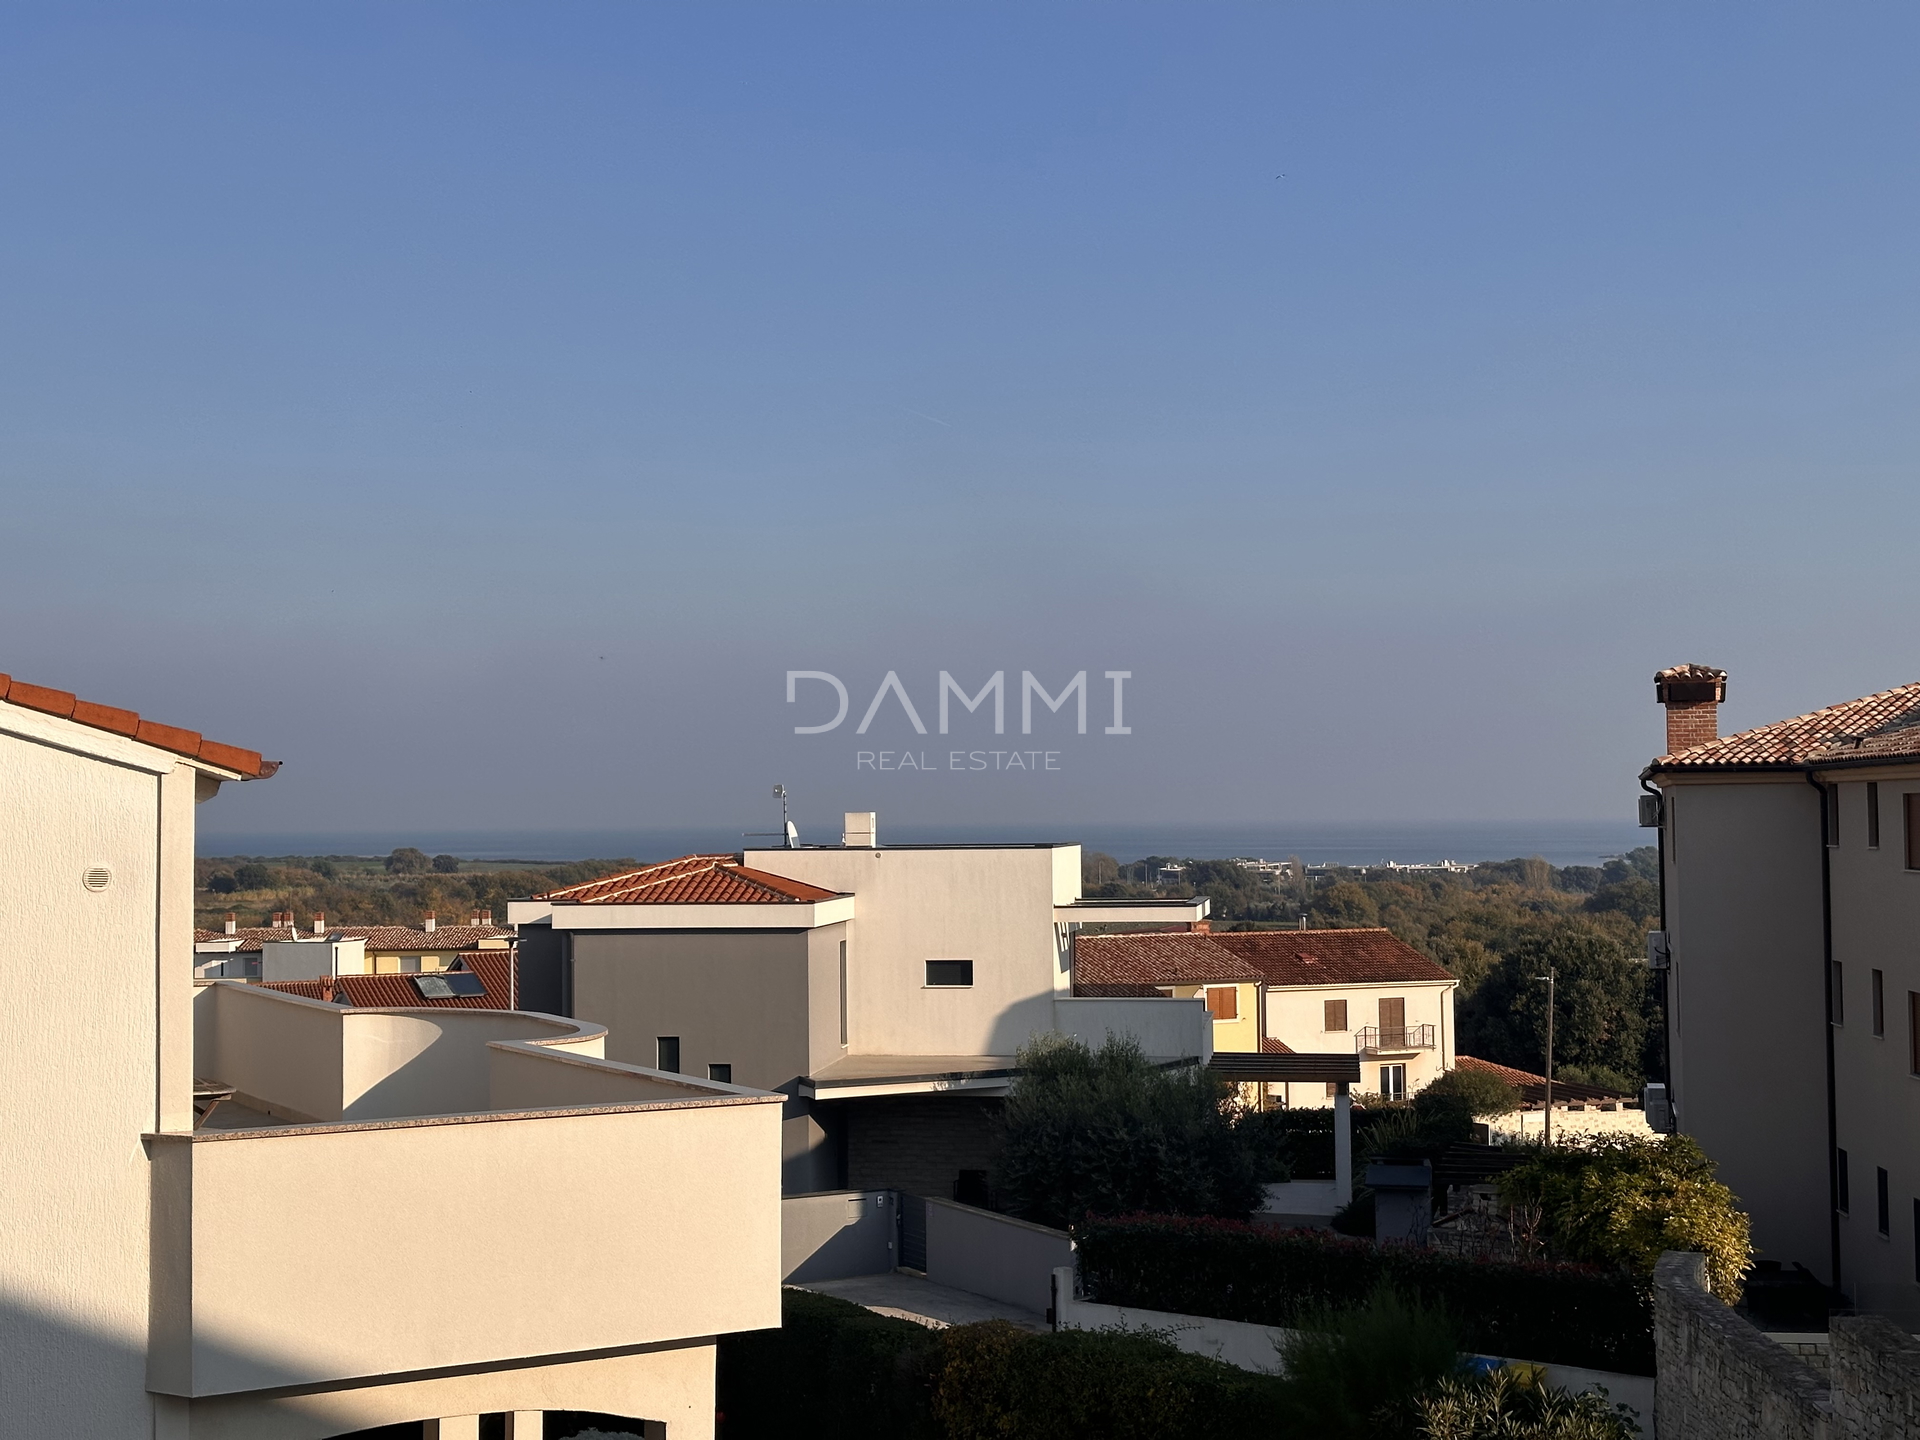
(1560, 842)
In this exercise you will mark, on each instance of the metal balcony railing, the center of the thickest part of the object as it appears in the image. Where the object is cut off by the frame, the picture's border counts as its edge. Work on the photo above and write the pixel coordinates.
(1373, 1039)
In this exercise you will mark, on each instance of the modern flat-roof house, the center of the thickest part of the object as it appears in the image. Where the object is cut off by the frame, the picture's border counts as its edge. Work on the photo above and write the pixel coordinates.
(189, 1167)
(885, 990)
(1790, 864)
(1295, 992)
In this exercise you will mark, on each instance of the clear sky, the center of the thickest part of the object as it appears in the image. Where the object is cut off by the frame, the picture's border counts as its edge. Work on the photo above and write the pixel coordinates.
(482, 408)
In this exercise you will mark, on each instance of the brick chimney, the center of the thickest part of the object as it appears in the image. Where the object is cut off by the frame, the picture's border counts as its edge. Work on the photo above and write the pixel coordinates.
(428, 924)
(1692, 695)
(233, 922)
(319, 922)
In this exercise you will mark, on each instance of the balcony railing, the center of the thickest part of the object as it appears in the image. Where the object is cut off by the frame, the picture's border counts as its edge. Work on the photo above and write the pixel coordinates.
(1374, 1039)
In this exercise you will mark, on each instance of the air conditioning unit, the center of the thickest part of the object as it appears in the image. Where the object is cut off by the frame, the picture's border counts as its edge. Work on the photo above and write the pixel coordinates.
(1651, 810)
(1659, 1109)
(1659, 950)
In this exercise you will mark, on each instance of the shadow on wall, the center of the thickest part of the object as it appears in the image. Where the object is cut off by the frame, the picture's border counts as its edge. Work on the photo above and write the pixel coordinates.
(59, 1378)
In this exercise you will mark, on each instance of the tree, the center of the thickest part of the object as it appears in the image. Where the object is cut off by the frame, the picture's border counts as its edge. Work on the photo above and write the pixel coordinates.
(1345, 904)
(252, 876)
(222, 883)
(407, 861)
(1475, 1093)
(1624, 1199)
(1098, 868)
(1107, 1132)
(446, 864)
(1602, 1003)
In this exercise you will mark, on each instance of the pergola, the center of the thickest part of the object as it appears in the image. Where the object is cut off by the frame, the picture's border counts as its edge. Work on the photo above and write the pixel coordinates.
(1342, 1071)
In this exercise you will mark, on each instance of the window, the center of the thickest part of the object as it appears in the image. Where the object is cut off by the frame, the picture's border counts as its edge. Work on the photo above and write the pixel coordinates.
(1882, 1220)
(722, 1073)
(1916, 1239)
(1833, 813)
(1223, 1002)
(667, 1054)
(1393, 1082)
(1842, 1181)
(1880, 1003)
(1873, 814)
(1837, 995)
(944, 973)
(1913, 1033)
(1393, 1022)
(447, 985)
(1912, 803)
(843, 992)
(1333, 1089)
(1336, 1017)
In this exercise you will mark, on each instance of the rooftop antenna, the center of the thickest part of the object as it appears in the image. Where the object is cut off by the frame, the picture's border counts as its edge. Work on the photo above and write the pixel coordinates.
(787, 834)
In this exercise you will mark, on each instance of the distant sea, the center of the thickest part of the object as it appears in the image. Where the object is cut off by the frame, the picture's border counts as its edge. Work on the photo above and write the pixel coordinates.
(1561, 842)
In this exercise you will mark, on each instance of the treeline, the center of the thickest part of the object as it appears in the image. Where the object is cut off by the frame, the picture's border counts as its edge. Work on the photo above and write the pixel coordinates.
(353, 890)
(1496, 927)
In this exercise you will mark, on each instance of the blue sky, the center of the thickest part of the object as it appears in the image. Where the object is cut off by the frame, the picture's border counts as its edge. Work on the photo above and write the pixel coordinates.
(481, 408)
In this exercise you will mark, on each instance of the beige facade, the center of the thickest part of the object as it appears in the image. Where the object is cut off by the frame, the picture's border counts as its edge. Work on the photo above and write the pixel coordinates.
(399, 1215)
(1412, 1033)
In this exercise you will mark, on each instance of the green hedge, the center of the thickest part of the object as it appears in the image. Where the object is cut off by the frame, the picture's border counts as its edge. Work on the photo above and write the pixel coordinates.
(1556, 1313)
(835, 1369)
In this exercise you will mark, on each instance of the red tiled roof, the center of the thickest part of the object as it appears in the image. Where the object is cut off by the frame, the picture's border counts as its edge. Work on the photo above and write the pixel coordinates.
(189, 743)
(393, 992)
(1881, 726)
(692, 880)
(1331, 957)
(378, 937)
(1534, 1087)
(1276, 1047)
(1166, 957)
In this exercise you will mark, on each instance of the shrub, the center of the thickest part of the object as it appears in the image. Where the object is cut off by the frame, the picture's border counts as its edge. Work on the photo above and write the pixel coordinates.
(1501, 1406)
(833, 1369)
(252, 876)
(1622, 1200)
(1355, 1374)
(1553, 1312)
(1105, 1132)
(446, 864)
(222, 883)
(1485, 1095)
(996, 1382)
(408, 861)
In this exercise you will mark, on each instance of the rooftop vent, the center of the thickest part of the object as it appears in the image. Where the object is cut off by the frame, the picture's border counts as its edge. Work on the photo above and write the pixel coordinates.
(860, 830)
(97, 878)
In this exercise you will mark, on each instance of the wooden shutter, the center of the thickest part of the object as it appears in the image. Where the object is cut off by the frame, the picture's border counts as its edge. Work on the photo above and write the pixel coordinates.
(1336, 1015)
(1912, 802)
(1223, 1003)
(1393, 1014)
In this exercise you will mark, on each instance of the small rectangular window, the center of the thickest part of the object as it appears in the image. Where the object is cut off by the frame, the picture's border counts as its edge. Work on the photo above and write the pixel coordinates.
(1336, 1011)
(843, 993)
(666, 1050)
(1916, 1239)
(1873, 814)
(1912, 806)
(949, 973)
(722, 1073)
(1880, 1003)
(1913, 1033)
(1223, 1002)
(1833, 814)
(1883, 1220)
(1838, 995)
(1842, 1181)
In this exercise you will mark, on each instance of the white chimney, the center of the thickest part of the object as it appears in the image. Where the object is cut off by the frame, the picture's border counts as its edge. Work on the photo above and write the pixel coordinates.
(232, 923)
(428, 924)
(860, 830)
(320, 923)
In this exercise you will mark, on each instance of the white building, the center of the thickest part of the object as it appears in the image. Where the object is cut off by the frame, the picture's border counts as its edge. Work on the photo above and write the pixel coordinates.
(550, 1230)
(1790, 862)
(885, 990)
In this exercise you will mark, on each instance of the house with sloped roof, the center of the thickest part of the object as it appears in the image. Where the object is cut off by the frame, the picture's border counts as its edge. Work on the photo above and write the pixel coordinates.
(179, 1156)
(885, 990)
(1790, 892)
(235, 952)
(1362, 991)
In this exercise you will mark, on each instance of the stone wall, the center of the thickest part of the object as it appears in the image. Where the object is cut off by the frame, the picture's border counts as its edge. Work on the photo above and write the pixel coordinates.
(1876, 1379)
(1721, 1379)
(919, 1144)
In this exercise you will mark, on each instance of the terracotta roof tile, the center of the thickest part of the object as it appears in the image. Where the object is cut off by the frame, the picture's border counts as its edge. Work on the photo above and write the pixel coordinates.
(397, 992)
(1167, 957)
(378, 937)
(1331, 957)
(189, 743)
(1880, 726)
(691, 880)
(1534, 1087)
(1273, 1046)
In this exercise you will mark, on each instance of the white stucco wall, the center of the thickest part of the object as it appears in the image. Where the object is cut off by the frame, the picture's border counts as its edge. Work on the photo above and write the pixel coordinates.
(92, 1054)
(993, 906)
(1748, 1000)
(1296, 1016)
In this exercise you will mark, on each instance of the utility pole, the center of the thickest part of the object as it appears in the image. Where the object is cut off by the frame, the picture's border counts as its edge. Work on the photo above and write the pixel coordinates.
(1551, 975)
